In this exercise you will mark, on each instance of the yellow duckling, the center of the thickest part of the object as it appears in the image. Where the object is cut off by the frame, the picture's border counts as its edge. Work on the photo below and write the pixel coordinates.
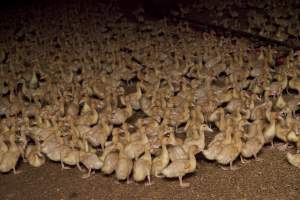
(175, 150)
(136, 148)
(10, 157)
(270, 130)
(198, 138)
(124, 166)
(110, 162)
(161, 161)
(52, 148)
(98, 134)
(255, 141)
(88, 116)
(179, 168)
(134, 98)
(295, 138)
(90, 161)
(69, 156)
(232, 148)
(120, 115)
(34, 156)
(216, 145)
(142, 167)
(3, 147)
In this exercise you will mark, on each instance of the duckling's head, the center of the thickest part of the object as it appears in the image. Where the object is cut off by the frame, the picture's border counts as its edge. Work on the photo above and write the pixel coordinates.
(205, 127)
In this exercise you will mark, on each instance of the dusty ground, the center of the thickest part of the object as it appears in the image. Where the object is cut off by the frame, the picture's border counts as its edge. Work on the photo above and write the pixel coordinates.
(273, 178)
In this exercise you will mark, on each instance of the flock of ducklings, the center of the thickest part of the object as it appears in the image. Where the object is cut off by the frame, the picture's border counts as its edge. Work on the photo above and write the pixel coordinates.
(144, 106)
(272, 19)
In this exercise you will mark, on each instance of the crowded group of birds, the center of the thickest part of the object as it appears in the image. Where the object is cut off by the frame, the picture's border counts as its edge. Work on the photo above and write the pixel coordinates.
(277, 20)
(141, 100)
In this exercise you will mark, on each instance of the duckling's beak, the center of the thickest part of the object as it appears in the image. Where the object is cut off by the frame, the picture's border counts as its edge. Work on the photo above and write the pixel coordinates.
(208, 129)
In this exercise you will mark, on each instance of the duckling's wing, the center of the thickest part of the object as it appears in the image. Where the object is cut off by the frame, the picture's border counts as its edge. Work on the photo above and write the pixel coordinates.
(177, 168)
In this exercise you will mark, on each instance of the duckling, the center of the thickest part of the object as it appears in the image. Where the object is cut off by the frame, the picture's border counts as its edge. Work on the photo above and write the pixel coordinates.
(90, 161)
(161, 161)
(10, 157)
(179, 168)
(198, 138)
(282, 130)
(3, 147)
(176, 150)
(135, 148)
(134, 98)
(69, 156)
(294, 83)
(293, 159)
(142, 167)
(110, 162)
(88, 116)
(232, 148)
(216, 145)
(270, 131)
(98, 134)
(124, 165)
(120, 115)
(52, 148)
(255, 141)
(295, 138)
(34, 156)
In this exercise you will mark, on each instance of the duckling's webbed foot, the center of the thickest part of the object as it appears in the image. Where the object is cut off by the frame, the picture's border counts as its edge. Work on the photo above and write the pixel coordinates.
(283, 147)
(148, 183)
(79, 167)
(63, 166)
(182, 184)
(16, 172)
(84, 176)
(128, 181)
(243, 160)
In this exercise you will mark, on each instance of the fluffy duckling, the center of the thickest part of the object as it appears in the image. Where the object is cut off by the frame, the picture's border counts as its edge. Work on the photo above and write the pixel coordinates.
(120, 115)
(34, 156)
(293, 137)
(232, 148)
(136, 148)
(294, 83)
(110, 162)
(293, 159)
(3, 147)
(255, 141)
(98, 134)
(198, 138)
(216, 145)
(90, 161)
(161, 161)
(52, 148)
(142, 167)
(175, 150)
(69, 156)
(124, 165)
(179, 168)
(88, 116)
(270, 131)
(10, 157)
(134, 98)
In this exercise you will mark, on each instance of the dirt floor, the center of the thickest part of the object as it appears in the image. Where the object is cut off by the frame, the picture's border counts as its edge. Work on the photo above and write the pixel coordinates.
(272, 178)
